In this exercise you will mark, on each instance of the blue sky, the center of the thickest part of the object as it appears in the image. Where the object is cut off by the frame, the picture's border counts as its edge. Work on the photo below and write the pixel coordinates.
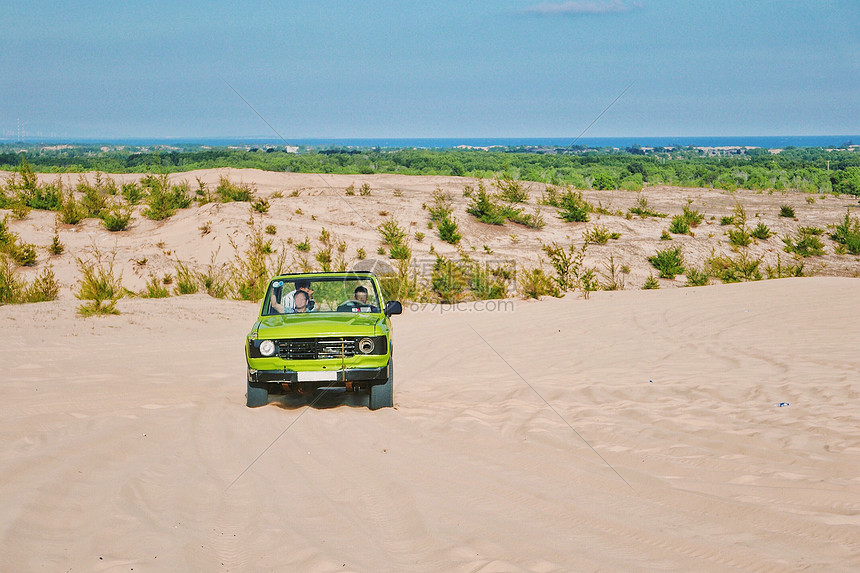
(402, 68)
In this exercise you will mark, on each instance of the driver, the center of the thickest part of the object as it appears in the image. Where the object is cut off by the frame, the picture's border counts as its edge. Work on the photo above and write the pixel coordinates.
(360, 295)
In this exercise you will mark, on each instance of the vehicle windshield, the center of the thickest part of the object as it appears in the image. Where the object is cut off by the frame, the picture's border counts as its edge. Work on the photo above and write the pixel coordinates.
(352, 294)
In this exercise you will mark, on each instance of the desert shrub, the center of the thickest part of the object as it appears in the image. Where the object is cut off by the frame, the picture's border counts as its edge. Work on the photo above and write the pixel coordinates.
(613, 276)
(847, 234)
(448, 231)
(786, 211)
(739, 237)
(304, 246)
(743, 267)
(567, 265)
(45, 198)
(805, 242)
(228, 191)
(761, 231)
(419, 236)
(214, 279)
(364, 190)
(94, 198)
(402, 284)
(781, 270)
(260, 205)
(44, 288)
(116, 217)
(11, 287)
(535, 283)
(186, 279)
(324, 258)
(511, 190)
(155, 288)
(351, 189)
(727, 220)
(679, 225)
(696, 277)
(651, 283)
(360, 253)
(531, 220)
(251, 268)
(486, 282)
(669, 262)
(483, 207)
(692, 216)
(600, 235)
(643, 210)
(99, 286)
(573, 208)
(164, 199)
(71, 212)
(271, 230)
(448, 281)
(23, 253)
(665, 236)
(391, 233)
(56, 247)
(132, 192)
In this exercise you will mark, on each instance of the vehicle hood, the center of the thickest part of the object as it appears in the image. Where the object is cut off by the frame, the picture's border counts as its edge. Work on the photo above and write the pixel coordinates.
(320, 324)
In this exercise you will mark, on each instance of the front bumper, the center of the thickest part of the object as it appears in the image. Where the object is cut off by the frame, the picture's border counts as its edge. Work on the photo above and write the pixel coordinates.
(364, 376)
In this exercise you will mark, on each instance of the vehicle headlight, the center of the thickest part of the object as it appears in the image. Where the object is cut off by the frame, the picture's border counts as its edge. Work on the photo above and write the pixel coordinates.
(267, 348)
(365, 345)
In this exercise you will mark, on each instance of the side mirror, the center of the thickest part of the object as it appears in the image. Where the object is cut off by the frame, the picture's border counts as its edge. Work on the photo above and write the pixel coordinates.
(393, 307)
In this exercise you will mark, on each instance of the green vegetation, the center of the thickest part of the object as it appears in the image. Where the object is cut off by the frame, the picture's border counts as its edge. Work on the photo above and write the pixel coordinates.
(643, 210)
(741, 267)
(805, 242)
(847, 234)
(14, 290)
(669, 262)
(599, 234)
(441, 214)
(782, 271)
(786, 211)
(803, 169)
(99, 285)
(696, 277)
(651, 283)
(761, 231)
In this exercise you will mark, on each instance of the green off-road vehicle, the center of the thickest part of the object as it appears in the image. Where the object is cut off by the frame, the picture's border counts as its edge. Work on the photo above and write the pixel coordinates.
(320, 331)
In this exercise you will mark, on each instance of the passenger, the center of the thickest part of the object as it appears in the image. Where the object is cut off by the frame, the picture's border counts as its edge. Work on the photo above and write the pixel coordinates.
(287, 305)
(301, 300)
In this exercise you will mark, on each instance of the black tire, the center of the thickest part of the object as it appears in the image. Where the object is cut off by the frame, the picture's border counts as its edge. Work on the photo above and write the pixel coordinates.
(382, 395)
(257, 396)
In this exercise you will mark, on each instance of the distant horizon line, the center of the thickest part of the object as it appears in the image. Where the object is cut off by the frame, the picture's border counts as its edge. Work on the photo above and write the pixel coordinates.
(449, 141)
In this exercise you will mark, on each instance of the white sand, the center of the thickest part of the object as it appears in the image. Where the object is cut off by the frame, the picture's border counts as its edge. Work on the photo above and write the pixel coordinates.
(120, 438)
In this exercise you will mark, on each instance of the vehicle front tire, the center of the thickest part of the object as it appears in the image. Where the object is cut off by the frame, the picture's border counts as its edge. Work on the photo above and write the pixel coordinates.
(257, 396)
(382, 395)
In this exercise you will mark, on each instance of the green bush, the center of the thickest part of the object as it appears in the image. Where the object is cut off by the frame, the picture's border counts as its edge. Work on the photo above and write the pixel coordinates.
(56, 247)
(679, 225)
(805, 242)
(600, 235)
(669, 262)
(847, 234)
(727, 220)
(24, 254)
(155, 288)
(573, 208)
(761, 231)
(448, 281)
(696, 277)
(739, 237)
(448, 231)
(511, 190)
(786, 211)
(535, 283)
(228, 191)
(743, 267)
(483, 207)
(164, 199)
(132, 192)
(567, 264)
(116, 218)
(186, 279)
(71, 212)
(11, 287)
(99, 285)
(782, 271)
(651, 283)
(643, 210)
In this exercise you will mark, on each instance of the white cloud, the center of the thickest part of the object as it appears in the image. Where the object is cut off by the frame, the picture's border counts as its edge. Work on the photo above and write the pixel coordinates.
(581, 7)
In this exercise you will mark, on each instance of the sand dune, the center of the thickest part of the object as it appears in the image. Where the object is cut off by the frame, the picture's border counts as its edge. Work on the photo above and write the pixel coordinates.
(637, 430)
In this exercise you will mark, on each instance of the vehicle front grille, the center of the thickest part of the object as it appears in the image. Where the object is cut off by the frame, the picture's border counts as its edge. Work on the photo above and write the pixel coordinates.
(315, 348)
